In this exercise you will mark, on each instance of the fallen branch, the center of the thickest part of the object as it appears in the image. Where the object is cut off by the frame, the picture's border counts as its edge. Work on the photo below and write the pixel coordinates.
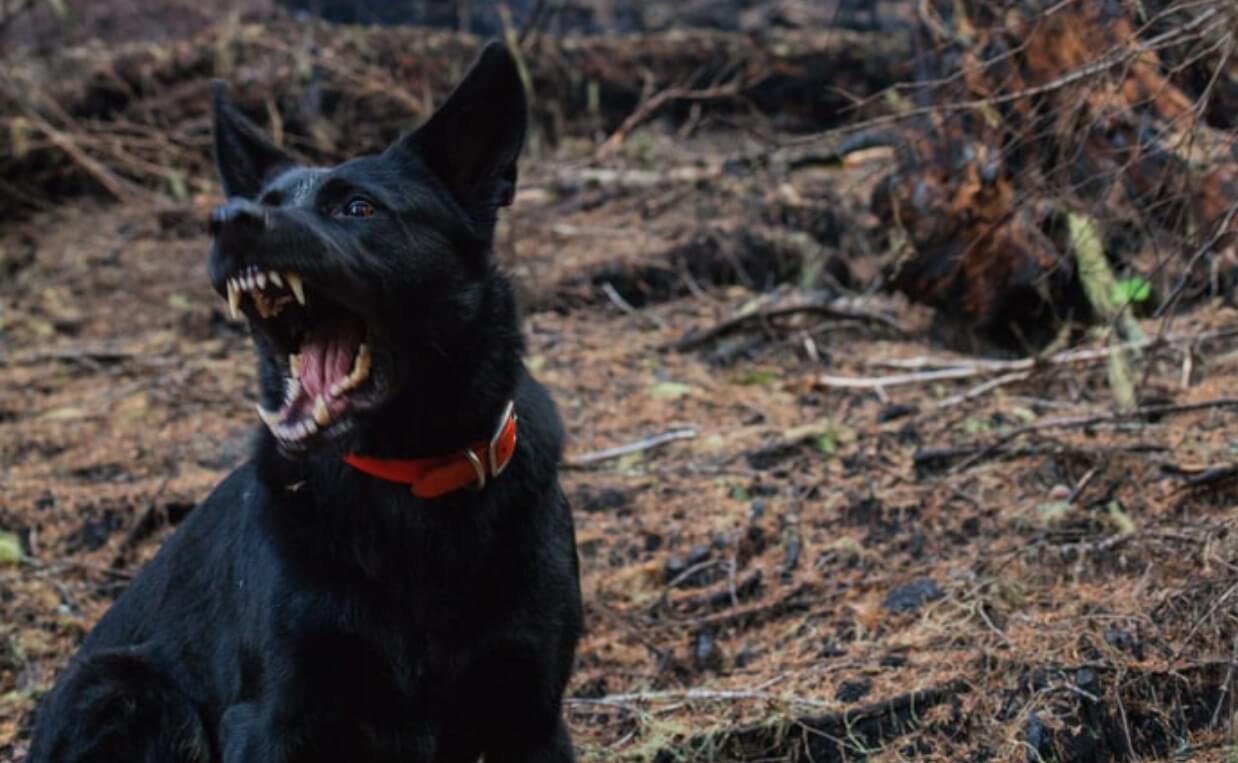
(985, 387)
(650, 105)
(1014, 370)
(648, 443)
(841, 308)
(617, 299)
(936, 459)
(706, 695)
(1073, 422)
(119, 188)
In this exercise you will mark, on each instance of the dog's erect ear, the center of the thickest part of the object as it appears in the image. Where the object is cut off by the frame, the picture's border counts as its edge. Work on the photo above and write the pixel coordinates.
(473, 140)
(245, 157)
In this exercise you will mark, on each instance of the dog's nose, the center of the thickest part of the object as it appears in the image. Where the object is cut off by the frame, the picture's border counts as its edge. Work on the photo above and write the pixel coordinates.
(239, 216)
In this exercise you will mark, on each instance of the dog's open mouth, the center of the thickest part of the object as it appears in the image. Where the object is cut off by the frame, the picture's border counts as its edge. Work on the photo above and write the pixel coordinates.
(326, 359)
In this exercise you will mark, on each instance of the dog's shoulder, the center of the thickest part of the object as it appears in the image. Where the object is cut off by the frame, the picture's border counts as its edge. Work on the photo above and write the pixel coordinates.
(183, 580)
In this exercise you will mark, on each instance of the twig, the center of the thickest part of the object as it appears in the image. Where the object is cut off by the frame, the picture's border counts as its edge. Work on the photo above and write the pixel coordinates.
(985, 387)
(836, 308)
(1199, 622)
(1176, 293)
(1085, 72)
(586, 459)
(120, 189)
(602, 702)
(81, 354)
(935, 459)
(1224, 691)
(532, 22)
(647, 107)
(965, 369)
(1083, 421)
(617, 299)
(896, 380)
(709, 695)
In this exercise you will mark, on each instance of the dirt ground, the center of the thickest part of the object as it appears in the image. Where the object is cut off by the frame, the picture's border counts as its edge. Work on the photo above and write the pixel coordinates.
(808, 571)
(815, 522)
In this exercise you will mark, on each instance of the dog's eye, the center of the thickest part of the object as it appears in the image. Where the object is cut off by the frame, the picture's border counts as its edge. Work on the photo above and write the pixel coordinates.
(358, 208)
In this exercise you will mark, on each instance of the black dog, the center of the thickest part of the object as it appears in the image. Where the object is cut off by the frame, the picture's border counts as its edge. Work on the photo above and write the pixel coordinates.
(392, 576)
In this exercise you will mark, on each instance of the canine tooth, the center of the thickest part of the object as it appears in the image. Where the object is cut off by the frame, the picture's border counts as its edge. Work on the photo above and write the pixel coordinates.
(270, 418)
(361, 366)
(321, 414)
(298, 288)
(234, 300)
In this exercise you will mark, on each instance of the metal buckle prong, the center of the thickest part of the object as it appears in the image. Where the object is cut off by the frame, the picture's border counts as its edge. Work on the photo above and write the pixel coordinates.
(495, 467)
(477, 467)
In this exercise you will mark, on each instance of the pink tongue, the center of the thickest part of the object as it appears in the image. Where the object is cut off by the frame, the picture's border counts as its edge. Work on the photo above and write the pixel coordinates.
(327, 355)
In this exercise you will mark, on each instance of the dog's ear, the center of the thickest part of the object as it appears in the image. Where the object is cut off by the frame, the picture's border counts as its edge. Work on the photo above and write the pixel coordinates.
(245, 157)
(473, 140)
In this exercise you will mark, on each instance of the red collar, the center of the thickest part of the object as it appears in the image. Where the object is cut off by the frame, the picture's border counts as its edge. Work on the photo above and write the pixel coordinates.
(440, 475)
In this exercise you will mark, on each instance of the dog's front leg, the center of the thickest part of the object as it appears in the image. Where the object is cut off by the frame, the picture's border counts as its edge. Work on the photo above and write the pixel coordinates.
(555, 747)
(245, 736)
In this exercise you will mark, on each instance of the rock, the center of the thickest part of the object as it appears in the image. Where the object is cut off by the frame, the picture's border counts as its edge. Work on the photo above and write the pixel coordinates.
(909, 597)
(1037, 739)
(756, 510)
(673, 568)
(895, 411)
(745, 656)
(697, 555)
(705, 651)
(853, 691)
(1124, 640)
(832, 648)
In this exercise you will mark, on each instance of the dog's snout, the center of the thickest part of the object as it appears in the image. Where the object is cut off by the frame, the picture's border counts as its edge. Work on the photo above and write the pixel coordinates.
(238, 216)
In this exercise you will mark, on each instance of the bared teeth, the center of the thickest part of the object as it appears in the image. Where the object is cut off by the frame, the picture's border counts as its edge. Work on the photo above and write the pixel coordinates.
(321, 414)
(295, 432)
(291, 388)
(294, 365)
(270, 418)
(234, 299)
(254, 282)
(298, 288)
(360, 370)
(361, 366)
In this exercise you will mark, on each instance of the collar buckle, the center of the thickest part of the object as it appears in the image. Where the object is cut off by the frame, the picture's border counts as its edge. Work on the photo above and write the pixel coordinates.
(498, 464)
(478, 467)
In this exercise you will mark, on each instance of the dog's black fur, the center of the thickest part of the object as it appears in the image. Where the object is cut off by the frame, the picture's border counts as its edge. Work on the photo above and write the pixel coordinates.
(307, 611)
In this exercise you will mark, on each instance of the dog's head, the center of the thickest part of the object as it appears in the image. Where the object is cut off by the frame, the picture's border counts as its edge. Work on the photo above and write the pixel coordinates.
(354, 275)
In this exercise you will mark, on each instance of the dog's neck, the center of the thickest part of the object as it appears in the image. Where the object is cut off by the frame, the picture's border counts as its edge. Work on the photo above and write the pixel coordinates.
(458, 396)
